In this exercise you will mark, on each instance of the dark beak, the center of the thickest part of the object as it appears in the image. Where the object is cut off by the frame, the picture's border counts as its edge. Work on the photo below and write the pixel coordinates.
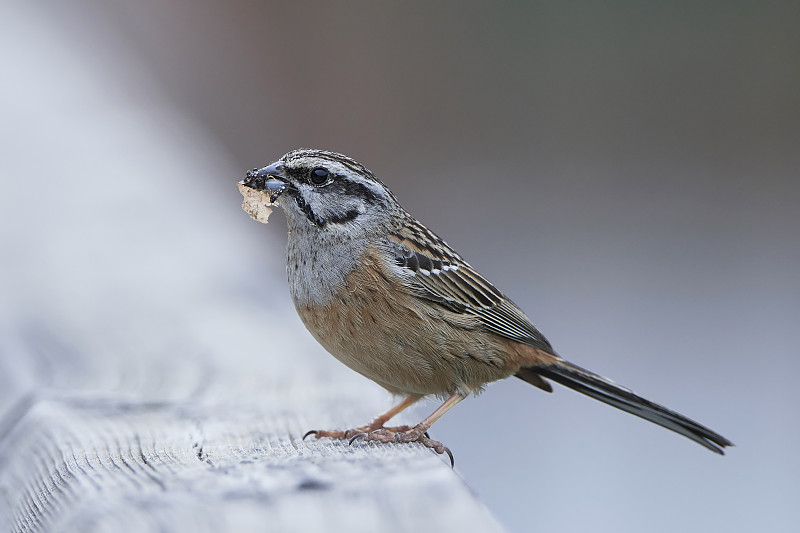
(270, 179)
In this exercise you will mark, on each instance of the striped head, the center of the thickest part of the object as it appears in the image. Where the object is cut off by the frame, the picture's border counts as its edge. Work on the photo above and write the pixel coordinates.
(326, 192)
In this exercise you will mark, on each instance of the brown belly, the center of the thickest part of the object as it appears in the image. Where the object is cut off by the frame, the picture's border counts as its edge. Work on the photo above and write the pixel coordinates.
(404, 344)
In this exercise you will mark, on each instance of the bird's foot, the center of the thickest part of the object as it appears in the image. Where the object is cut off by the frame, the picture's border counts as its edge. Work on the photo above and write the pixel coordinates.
(350, 433)
(404, 434)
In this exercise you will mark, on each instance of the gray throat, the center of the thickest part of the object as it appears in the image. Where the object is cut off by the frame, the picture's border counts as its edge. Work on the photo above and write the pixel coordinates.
(318, 262)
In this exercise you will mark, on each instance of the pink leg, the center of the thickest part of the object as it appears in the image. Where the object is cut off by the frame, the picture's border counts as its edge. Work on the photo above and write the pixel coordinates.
(416, 434)
(376, 424)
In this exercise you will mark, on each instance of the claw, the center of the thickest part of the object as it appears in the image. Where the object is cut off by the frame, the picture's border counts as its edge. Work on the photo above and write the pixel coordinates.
(356, 437)
(312, 432)
(450, 454)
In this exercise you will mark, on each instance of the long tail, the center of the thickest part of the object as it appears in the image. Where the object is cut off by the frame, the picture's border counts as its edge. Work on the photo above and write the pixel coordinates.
(607, 391)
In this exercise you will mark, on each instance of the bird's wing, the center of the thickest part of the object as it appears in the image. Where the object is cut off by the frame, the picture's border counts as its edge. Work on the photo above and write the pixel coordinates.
(438, 274)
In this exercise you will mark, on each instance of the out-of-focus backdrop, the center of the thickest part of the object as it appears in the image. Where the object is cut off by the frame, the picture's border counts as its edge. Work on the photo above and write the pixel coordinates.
(629, 173)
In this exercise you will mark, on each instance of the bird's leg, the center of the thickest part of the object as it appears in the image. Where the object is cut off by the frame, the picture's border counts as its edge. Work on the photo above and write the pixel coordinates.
(376, 424)
(417, 433)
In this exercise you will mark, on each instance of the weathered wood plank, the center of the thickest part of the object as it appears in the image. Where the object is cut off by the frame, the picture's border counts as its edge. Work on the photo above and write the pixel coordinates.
(94, 464)
(198, 429)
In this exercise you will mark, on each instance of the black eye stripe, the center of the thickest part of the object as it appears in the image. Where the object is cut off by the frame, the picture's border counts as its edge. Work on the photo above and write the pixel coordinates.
(354, 188)
(348, 163)
(351, 214)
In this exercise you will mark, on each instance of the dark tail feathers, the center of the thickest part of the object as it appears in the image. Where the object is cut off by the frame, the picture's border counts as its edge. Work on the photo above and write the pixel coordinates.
(607, 391)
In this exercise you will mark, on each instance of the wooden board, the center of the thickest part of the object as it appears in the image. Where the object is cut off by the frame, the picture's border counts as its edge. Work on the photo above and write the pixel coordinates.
(102, 464)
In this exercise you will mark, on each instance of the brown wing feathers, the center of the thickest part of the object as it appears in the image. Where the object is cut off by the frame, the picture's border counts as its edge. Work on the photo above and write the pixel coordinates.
(442, 276)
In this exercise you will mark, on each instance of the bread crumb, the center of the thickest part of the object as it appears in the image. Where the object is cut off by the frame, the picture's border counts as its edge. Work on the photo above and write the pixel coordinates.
(255, 203)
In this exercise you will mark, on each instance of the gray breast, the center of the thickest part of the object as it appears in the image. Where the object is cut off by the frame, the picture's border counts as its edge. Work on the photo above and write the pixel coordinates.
(318, 263)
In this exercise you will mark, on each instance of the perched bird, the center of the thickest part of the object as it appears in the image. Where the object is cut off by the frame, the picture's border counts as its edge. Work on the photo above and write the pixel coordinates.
(391, 300)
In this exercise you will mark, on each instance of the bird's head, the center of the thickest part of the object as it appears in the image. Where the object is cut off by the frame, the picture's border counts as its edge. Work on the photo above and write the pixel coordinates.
(325, 191)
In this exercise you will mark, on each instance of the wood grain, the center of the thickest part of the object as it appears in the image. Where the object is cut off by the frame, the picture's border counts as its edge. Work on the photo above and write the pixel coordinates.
(96, 464)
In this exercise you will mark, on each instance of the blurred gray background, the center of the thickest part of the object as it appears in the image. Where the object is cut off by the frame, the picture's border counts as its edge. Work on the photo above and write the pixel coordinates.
(627, 172)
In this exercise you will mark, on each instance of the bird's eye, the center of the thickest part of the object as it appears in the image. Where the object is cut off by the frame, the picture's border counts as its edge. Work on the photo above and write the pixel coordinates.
(319, 176)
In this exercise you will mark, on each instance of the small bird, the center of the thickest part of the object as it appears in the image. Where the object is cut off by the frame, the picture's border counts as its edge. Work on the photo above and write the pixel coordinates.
(391, 300)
